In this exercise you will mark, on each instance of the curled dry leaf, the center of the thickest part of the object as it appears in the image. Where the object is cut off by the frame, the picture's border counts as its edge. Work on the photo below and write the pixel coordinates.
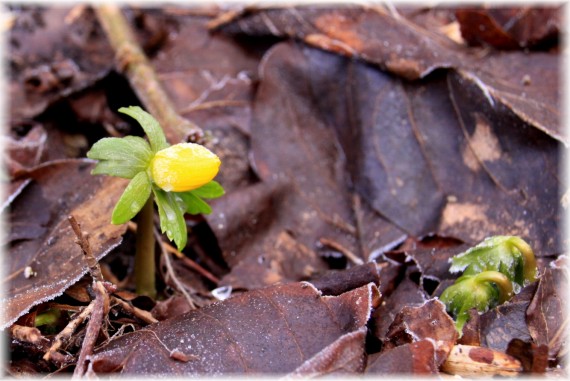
(347, 355)
(426, 322)
(25, 152)
(280, 329)
(469, 361)
(533, 357)
(372, 34)
(41, 237)
(417, 358)
(338, 282)
(510, 28)
(407, 294)
(547, 316)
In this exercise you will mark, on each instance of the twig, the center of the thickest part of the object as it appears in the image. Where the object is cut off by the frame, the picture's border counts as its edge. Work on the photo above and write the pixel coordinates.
(69, 329)
(136, 312)
(170, 270)
(133, 62)
(25, 334)
(100, 309)
(341, 249)
(83, 242)
(190, 263)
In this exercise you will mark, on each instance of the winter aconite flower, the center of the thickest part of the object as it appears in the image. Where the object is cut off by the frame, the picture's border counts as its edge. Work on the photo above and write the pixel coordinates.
(184, 167)
(179, 176)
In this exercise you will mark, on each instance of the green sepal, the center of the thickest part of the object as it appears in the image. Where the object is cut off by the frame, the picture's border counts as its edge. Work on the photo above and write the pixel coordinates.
(120, 157)
(210, 190)
(194, 204)
(150, 126)
(499, 253)
(467, 293)
(481, 291)
(133, 199)
(171, 215)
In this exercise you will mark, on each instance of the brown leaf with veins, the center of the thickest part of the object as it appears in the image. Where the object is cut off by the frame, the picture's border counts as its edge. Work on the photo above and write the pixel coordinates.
(279, 329)
(41, 238)
(408, 50)
(426, 148)
(347, 355)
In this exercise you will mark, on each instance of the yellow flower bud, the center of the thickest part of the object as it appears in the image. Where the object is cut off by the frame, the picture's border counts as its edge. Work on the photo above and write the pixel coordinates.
(183, 167)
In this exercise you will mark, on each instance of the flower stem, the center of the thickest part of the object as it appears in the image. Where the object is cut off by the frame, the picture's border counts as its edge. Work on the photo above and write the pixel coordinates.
(529, 266)
(500, 280)
(145, 251)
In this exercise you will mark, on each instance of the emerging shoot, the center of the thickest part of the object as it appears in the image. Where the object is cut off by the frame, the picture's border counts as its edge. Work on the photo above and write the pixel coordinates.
(493, 271)
(482, 291)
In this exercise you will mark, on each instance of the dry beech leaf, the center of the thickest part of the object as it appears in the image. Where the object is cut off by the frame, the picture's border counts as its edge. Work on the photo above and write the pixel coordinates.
(41, 238)
(468, 152)
(470, 361)
(408, 50)
(507, 322)
(280, 329)
(426, 322)
(406, 294)
(533, 357)
(510, 28)
(347, 355)
(417, 358)
(413, 148)
(369, 33)
(52, 58)
(546, 315)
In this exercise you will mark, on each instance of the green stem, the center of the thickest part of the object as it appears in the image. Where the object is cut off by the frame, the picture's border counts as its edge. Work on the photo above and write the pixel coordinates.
(145, 253)
(529, 265)
(500, 280)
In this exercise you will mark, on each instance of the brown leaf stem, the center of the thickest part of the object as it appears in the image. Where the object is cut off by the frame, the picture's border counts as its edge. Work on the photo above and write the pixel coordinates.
(132, 61)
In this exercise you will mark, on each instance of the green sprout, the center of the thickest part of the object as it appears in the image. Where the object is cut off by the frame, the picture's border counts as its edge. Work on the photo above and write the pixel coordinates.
(179, 177)
(493, 271)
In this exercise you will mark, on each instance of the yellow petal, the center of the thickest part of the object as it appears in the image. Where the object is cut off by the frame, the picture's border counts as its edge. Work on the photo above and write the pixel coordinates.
(183, 167)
